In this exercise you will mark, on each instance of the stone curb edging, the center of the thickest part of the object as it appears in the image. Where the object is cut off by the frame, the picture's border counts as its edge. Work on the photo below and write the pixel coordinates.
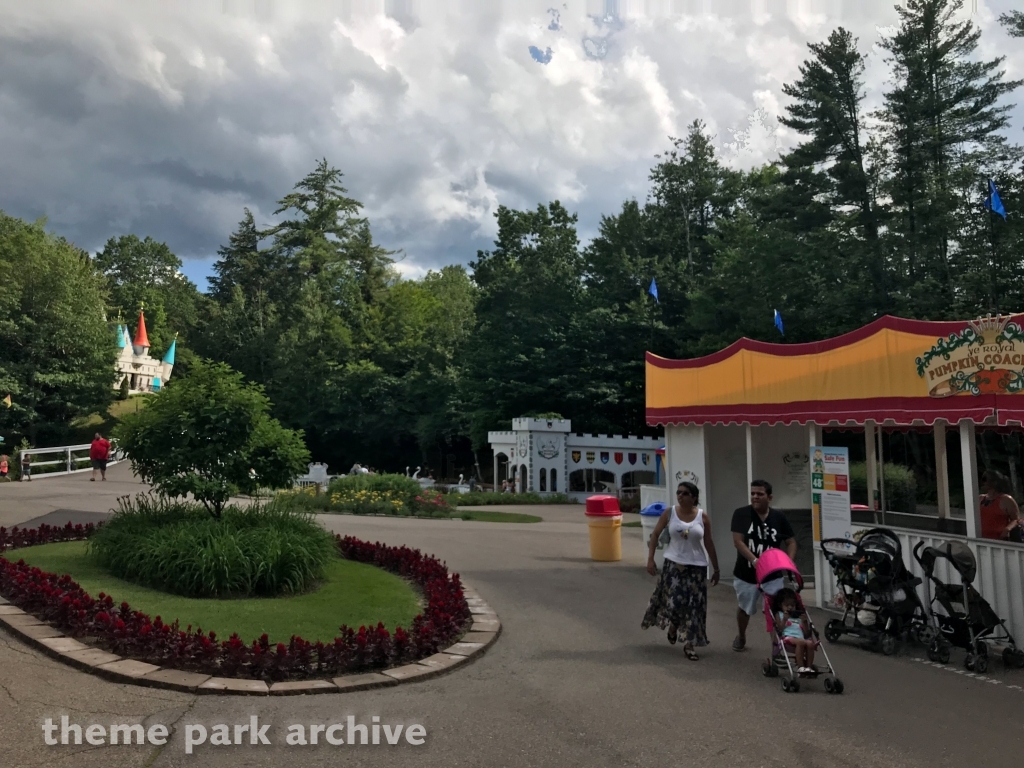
(481, 635)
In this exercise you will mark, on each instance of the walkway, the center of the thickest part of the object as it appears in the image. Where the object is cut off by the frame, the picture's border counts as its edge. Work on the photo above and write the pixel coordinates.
(573, 681)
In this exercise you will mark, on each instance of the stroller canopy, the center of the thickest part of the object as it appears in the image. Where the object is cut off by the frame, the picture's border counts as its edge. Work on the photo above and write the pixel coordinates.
(774, 564)
(963, 560)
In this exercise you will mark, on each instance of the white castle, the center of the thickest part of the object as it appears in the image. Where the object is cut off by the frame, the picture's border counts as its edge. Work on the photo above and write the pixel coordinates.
(544, 456)
(143, 373)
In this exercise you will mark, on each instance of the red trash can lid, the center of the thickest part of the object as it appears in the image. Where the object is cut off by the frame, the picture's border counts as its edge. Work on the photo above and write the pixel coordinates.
(602, 506)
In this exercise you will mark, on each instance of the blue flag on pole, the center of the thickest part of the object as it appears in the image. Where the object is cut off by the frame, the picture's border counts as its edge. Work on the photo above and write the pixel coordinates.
(653, 290)
(778, 322)
(994, 203)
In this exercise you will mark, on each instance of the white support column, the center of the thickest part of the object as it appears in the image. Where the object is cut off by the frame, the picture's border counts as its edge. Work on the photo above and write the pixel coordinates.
(814, 439)
(941, 471)
(871, 460)
(969, 456)
(495, 476)
(751, 457)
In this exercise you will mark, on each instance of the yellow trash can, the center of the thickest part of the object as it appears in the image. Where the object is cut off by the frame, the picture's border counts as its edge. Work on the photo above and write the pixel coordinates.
(604, 519)
(605, 538)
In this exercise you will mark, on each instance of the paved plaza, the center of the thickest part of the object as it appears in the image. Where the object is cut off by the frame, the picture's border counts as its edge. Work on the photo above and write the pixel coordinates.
(572, 681)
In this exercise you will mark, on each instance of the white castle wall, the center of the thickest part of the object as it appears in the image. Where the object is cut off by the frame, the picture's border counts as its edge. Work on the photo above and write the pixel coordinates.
(545, 450)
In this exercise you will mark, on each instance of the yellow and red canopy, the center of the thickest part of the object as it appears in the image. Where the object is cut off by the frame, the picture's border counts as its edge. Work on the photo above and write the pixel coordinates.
(893, 370)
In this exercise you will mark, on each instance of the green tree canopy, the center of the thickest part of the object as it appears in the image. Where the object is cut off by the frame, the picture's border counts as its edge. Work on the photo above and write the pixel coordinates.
(146, 272)
(57, 351)
(210, 435)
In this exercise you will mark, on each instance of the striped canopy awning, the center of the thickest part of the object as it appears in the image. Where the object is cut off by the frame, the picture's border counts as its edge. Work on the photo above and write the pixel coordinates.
(893, 371)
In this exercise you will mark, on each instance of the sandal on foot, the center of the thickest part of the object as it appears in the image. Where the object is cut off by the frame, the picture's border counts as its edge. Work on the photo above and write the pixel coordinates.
(739, 643)
(691, 654)
(672, 635)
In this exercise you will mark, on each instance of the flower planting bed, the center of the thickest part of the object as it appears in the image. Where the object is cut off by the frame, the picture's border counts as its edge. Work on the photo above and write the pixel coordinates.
(129, 645)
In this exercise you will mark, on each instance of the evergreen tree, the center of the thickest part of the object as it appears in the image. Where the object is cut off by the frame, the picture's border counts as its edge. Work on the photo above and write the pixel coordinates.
(942, 119)
(1014, 23)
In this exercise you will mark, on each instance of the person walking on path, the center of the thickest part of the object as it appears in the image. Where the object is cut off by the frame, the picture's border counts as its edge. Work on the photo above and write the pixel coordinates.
(680, 600)
(26, 466)
(755, 528)
(99, 452)
(1000, 515)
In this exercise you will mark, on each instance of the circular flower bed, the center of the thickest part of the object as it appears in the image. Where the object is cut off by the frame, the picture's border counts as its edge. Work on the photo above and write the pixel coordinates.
(178, 547)
(61, 602)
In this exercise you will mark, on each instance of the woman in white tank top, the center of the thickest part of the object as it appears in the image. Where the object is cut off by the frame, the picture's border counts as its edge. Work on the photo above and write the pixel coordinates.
(681, 598)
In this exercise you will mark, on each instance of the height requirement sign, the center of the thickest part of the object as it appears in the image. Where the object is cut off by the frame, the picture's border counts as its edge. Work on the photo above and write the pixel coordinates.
(830, 493)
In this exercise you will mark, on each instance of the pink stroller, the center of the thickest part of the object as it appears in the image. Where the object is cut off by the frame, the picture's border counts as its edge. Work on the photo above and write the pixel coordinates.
(774, 571)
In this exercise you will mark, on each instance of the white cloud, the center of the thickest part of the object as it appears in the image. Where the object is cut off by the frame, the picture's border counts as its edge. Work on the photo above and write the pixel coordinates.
(166, 119)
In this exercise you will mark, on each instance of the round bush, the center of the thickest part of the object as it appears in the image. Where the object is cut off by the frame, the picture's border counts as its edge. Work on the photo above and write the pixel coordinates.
(178, 547)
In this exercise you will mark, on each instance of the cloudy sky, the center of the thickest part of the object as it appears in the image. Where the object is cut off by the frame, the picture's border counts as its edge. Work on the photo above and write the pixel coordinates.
(166, 118)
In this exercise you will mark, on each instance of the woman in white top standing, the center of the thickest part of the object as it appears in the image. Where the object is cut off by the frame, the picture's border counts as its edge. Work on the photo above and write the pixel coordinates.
(680, 601)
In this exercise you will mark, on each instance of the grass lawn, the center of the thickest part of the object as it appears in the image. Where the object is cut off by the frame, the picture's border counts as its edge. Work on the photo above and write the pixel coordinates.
(496, 517)
(352, 594)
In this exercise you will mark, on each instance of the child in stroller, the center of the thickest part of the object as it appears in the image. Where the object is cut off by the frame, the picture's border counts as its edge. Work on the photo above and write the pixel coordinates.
(793, 626)
(878, 593)
(773, 567)
(966, 619)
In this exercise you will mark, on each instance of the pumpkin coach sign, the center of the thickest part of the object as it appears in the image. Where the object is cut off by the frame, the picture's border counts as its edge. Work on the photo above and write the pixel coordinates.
(985, 358)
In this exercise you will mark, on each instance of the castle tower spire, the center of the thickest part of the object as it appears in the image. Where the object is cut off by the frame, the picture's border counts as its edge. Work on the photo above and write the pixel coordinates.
(141, 343)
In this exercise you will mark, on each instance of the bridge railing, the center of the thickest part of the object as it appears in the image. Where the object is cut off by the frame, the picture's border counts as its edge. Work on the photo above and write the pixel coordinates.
(64, 459)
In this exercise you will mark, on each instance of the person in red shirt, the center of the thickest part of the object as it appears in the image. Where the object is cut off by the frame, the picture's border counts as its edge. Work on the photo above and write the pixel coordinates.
(99, 452)
(1000, 516)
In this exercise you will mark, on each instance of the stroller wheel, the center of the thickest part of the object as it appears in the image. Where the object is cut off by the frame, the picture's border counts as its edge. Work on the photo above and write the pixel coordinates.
(926, 634)
(837, 686)
(981, 648)
(833, 630)
(828, 685)
(941, 651)
(1009, 658)
(969, 662)
(785, 684)
(981, 664)
(794, 687)
(769, 669)
(888, 644)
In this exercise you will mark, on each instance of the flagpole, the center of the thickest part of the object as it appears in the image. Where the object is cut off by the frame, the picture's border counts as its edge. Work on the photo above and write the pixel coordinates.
(992, 243)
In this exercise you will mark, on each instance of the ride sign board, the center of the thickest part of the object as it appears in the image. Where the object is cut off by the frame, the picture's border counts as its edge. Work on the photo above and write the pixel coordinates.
(830, 493)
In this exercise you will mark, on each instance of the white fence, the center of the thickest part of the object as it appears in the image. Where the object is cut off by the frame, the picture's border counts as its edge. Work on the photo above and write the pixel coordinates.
(1000, 577)
(316, 477)
(68, 458)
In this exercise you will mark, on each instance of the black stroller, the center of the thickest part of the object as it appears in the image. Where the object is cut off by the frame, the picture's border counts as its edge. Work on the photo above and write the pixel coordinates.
(879, 594)
(967, 620)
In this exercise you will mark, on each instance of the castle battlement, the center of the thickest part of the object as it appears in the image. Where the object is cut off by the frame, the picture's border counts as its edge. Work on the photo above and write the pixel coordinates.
(545, 456)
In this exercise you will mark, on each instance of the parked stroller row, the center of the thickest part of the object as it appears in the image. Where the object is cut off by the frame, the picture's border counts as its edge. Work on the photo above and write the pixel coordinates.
(882, 606)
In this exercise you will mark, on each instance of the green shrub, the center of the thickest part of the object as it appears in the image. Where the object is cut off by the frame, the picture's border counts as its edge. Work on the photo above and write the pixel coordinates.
(402, 487)
(306, 499)
(485, 498)
(177, 547)
(431, 503)
(900, 487)
(368, 502)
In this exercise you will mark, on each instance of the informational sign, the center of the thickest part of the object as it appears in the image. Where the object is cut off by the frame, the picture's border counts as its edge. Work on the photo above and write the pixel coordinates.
(830, 493)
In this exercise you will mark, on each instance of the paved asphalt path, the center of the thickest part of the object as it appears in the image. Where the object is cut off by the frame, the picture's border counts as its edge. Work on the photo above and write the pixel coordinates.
(572, 681)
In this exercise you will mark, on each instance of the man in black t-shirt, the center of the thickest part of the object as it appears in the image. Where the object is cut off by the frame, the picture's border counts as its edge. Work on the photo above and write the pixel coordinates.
(755, 528)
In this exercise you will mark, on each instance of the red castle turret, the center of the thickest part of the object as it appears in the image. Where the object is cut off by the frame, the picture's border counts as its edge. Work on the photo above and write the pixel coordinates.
(140, 345)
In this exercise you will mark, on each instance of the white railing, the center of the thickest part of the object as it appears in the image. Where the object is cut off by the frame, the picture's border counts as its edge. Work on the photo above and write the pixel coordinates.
(1000, 578)
(69, 460)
